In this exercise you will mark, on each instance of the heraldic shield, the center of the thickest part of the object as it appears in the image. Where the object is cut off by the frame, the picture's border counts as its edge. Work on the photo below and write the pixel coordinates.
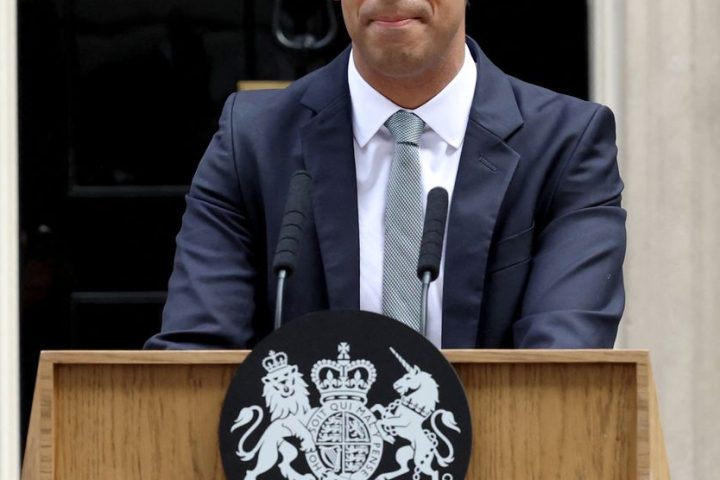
(345, 396)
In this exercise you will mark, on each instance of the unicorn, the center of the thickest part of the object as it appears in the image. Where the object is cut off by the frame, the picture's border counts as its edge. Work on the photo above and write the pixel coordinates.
(404, 418)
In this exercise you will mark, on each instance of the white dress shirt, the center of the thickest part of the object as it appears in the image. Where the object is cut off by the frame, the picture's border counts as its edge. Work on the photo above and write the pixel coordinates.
(446, 116)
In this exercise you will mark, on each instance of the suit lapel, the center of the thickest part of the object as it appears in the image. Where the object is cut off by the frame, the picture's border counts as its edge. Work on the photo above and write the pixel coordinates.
(487, 165)
(327, 145)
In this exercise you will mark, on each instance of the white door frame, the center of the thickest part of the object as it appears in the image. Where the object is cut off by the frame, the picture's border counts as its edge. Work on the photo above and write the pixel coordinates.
(606, 22)
(9, 282)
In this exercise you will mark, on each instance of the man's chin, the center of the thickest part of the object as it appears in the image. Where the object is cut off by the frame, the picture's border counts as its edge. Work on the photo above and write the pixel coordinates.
(398, 65)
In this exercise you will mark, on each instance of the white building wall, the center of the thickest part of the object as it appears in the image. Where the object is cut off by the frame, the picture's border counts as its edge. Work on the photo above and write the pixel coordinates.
(660, 70)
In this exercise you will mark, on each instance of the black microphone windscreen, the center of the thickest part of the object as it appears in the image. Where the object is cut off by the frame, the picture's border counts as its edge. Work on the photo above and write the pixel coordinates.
(297, 208)
(433, 233)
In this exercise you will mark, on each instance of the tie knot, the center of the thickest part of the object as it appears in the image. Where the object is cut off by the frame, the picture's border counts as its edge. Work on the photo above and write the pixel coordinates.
(405, 127)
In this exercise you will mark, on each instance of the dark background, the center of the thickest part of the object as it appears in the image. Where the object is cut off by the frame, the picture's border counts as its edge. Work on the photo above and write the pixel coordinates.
(118, 100)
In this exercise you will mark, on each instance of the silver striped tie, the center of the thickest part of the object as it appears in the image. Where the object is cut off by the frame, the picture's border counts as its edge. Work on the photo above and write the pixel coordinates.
(403, 221)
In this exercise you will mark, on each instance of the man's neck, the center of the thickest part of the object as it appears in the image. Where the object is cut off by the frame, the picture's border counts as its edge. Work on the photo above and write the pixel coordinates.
(414, 90)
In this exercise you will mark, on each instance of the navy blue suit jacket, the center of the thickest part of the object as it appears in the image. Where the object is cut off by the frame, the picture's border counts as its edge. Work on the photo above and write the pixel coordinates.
(536, 234)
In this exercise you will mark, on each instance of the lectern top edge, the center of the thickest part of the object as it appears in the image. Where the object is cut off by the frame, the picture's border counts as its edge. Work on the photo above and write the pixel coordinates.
(232, 357)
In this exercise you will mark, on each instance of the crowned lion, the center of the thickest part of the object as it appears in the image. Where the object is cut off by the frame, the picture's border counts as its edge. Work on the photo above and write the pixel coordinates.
(286, 398)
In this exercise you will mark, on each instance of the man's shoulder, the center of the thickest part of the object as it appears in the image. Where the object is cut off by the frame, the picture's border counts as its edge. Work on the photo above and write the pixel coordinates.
(258, 105)
(253, 105)
(538, 103)
(267, 116)
(508, 101)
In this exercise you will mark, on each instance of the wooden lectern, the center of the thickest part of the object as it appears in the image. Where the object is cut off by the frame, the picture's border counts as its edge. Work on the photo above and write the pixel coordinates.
(537, 414)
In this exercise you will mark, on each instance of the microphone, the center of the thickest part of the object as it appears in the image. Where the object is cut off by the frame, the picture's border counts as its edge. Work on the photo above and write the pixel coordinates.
(297, 208)
(431, 247)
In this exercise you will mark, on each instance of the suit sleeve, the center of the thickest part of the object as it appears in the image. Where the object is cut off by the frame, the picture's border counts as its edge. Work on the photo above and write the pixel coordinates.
(211, 291)
(575, 295)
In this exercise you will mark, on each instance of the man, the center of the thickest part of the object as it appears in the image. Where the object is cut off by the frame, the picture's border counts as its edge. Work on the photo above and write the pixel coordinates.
(535, 237)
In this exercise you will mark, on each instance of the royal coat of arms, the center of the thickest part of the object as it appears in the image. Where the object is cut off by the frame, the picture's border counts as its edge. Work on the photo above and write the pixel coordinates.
(343, 438)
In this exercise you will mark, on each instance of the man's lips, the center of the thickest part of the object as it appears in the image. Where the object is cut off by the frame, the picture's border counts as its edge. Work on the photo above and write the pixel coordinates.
(393, 22)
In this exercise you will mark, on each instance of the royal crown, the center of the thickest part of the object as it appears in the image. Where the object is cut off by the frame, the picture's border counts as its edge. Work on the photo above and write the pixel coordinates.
(343, 379)
(275, 361)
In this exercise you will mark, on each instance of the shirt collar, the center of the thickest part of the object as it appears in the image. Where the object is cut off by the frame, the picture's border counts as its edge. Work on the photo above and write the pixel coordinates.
(446, 113)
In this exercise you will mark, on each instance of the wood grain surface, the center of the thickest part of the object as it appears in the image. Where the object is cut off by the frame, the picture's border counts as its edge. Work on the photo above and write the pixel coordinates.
(659, 462)
(536, 415)
(235, 357)
(138, 421)
(39, 460)
(261, 84)
(552, 421)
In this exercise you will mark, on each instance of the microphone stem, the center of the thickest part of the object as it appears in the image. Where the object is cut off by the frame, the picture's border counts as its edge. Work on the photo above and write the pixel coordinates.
(279, 298)
(427, 278)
